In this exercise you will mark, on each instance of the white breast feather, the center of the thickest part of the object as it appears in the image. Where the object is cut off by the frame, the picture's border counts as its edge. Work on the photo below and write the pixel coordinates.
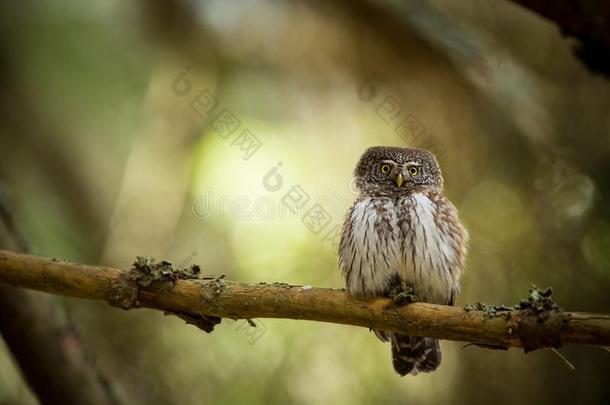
(363, 253)
(403, 237)
(434, 251)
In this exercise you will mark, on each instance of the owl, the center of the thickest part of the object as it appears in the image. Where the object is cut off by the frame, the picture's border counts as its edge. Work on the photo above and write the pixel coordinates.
(403, 232)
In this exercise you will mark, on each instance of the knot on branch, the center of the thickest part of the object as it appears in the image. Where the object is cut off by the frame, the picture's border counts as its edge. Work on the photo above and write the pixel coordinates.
(147, 273)
(156, 277)
(539, 324)
(543, 321)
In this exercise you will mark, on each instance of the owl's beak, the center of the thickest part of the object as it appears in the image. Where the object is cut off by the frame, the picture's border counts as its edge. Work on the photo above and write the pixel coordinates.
(399, 179)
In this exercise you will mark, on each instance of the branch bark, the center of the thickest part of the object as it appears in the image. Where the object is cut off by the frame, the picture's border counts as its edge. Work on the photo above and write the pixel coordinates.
(226, 299)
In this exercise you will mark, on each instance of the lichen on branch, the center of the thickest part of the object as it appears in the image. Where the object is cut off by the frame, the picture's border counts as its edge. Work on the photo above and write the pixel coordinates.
(156, 276)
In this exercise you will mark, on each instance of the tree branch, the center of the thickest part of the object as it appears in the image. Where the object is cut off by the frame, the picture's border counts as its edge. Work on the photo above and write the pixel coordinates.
(166, 289)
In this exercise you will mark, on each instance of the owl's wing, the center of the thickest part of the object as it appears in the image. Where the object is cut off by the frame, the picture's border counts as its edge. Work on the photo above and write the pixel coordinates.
(458, 238)
(346, 253)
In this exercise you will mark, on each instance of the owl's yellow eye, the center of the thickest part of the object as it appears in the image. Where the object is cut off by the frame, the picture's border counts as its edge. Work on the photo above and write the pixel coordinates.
(413, 171)
(385, 169)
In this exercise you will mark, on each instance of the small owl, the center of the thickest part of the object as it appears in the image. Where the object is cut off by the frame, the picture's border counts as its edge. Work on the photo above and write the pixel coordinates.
(403, 232)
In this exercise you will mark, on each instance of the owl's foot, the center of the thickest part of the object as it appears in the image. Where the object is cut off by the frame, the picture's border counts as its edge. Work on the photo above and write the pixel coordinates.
(403, 294)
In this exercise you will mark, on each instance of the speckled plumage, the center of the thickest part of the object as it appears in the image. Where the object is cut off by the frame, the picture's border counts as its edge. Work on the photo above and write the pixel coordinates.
(402, 229)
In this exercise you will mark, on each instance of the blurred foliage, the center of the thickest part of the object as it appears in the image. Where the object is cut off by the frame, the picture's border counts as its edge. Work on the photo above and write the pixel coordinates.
(105, 160)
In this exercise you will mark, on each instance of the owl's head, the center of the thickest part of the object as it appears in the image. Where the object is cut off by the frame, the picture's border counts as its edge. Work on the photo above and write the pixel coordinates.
(392, 170)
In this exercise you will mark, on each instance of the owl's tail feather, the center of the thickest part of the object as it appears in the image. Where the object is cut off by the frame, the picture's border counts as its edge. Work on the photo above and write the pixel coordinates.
(414, 354)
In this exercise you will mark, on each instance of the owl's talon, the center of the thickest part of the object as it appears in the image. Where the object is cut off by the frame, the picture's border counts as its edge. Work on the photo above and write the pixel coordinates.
(405, 298)
(403, 294)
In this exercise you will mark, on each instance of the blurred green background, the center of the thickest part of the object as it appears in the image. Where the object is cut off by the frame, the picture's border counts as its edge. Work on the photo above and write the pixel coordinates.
(108, 151)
